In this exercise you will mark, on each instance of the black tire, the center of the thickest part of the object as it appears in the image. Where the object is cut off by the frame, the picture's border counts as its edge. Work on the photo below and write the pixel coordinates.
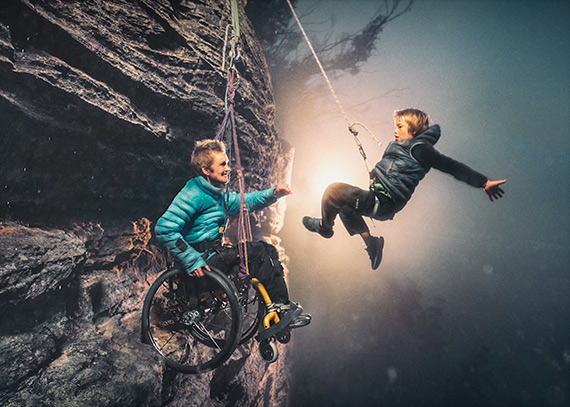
(193, 323)
(284, 336)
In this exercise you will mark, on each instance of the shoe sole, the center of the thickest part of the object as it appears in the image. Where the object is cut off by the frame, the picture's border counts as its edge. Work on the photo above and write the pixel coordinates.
(310, 228)
(299, 323)
(379, 248)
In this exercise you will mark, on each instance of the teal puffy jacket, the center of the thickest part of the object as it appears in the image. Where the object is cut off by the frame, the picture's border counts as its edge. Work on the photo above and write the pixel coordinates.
(196, 215)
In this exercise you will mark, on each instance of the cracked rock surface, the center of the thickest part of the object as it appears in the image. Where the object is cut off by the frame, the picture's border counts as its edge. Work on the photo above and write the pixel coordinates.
(101, 103)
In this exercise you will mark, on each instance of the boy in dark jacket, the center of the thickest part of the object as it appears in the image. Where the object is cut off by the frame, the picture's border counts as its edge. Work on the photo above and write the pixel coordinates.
(393, 180)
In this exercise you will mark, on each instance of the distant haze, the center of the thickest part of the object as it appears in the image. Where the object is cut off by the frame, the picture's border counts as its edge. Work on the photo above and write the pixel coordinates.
(471, 304)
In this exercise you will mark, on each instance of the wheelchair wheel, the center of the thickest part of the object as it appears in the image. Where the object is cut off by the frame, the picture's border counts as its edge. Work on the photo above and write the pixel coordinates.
(284, 336)
(253, 309)
(193, 323)
(268, 350)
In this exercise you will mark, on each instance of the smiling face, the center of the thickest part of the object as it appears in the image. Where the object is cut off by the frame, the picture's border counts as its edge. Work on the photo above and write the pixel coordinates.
(402, 130)
(218, 170)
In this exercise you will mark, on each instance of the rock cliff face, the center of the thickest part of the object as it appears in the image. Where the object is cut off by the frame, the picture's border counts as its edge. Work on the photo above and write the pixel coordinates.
(102, 101)
(100, 104)
(70, 327)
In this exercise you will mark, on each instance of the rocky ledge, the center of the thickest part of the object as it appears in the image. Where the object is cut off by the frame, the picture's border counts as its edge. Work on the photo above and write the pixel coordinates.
(70, 327)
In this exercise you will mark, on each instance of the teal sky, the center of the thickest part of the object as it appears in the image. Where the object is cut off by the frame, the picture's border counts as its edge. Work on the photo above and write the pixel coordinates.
(501, 65)
(496, 76)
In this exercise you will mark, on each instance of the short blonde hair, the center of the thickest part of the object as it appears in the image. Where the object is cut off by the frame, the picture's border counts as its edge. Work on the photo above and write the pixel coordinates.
(201, 156)
(417, 120)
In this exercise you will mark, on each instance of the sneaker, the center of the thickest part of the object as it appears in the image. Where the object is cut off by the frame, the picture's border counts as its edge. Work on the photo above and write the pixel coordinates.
(300, 321)
(375, 251)
(314, 225)
(283, 309)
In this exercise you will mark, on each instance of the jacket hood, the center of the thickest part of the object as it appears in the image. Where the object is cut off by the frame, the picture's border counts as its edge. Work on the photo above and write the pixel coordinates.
(431, 135)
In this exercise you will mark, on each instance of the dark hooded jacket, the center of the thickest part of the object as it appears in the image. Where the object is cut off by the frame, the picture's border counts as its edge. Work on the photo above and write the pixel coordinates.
(405, 163)
(399, 172)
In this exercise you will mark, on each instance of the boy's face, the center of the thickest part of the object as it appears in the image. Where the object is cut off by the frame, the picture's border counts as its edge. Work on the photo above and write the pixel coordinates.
(218, 171)
(401, 130)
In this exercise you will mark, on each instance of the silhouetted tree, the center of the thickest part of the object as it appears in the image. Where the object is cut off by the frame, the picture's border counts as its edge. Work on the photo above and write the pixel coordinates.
(281, 38)
(290, 61)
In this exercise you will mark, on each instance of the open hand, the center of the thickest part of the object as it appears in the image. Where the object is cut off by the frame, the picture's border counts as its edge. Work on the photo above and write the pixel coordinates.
(493, 190)
(282, 190)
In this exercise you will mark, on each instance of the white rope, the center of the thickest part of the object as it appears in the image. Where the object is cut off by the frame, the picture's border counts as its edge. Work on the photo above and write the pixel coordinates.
(341, 108)
(336, 99)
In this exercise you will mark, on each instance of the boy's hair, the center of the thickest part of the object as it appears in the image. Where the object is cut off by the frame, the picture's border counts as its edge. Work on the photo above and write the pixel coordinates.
(417, 120)
(201, 156)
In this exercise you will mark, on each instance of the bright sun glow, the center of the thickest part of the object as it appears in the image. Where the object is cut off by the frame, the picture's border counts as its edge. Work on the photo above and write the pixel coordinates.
(328, 170)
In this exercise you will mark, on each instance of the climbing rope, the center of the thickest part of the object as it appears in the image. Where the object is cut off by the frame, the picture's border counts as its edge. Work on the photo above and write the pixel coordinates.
(228, 128)
(235, 17)
(351, 126)
(234, 53)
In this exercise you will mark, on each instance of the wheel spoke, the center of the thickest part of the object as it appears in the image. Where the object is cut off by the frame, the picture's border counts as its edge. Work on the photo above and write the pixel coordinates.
(192, 329)
(212, 339)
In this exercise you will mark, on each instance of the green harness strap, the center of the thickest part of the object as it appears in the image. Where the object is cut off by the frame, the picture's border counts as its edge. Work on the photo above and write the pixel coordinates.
(379, 188)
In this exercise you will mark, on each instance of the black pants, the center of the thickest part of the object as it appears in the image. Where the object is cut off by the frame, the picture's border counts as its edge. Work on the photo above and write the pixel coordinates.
(263, 264)
(351, 203)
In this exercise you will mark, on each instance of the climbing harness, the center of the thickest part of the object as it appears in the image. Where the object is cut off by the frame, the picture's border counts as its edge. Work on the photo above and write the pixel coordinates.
(351, 126)
(228, 128)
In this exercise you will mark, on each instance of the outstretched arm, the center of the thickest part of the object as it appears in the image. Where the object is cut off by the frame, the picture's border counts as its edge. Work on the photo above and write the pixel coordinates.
(493, 189)
(257, 200)
(428, 156)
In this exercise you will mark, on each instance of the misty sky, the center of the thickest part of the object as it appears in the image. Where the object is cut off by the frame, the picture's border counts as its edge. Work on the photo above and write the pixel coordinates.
(488, 277)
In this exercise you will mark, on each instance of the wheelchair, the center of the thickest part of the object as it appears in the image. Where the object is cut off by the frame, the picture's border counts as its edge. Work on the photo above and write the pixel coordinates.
(195, 324)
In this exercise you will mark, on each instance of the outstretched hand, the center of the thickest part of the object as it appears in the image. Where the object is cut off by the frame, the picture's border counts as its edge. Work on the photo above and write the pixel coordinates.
(282, 190)
(493, 190)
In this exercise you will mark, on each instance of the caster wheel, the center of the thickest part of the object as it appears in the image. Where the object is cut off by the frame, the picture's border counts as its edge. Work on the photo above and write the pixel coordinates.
(284, 336)
(268, 350)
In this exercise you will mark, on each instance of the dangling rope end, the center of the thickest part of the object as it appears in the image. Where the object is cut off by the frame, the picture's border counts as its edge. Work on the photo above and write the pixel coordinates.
(354, 132)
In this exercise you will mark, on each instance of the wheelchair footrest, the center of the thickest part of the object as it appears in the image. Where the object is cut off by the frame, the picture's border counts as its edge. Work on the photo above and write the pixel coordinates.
(282, 324)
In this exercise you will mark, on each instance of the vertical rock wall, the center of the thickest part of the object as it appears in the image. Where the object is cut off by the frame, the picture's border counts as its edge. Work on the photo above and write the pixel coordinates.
(101, 102)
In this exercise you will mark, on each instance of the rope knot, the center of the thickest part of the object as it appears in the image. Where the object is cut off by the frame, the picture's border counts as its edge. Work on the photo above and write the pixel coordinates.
(352, 130)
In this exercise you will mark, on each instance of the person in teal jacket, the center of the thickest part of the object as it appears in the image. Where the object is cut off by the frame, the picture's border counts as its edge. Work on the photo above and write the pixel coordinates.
(192, 227)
